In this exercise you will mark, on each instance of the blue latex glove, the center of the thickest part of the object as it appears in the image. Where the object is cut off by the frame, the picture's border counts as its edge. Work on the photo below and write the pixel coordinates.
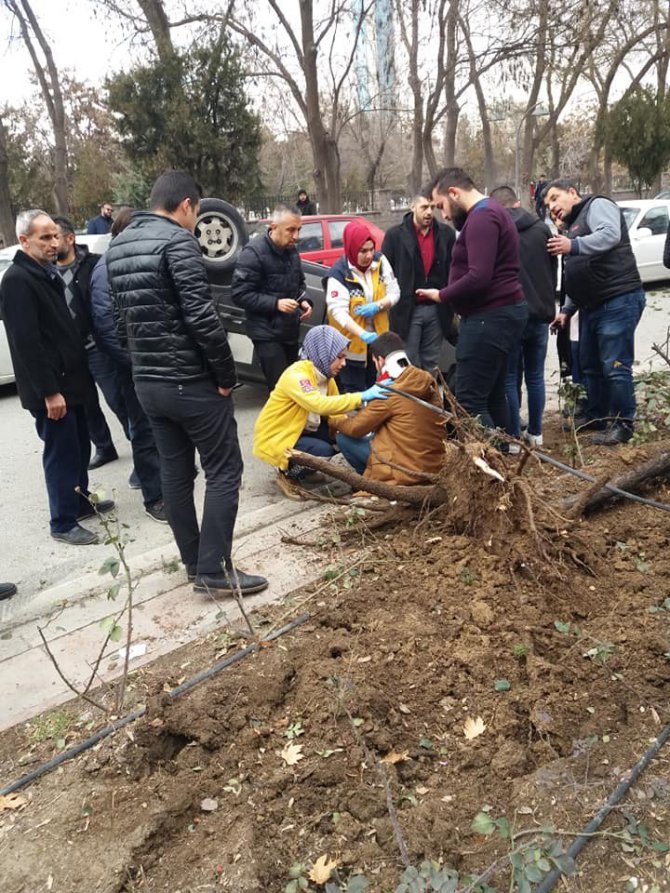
(369, 337)
(368, 310)
(374, 393)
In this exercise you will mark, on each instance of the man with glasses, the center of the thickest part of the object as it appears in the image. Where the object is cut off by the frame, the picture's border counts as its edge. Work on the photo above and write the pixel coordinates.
(102, 224)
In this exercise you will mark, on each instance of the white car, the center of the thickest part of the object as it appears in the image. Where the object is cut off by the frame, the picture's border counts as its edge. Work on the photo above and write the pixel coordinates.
(647, 221)
(96, 244)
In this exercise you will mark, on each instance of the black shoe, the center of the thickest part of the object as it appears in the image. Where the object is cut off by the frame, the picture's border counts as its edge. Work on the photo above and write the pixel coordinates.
(134, 481)
(101, 508)
(103, 457)
(583, 423)
(77, 536)
(613, 436)
(229, 583)
(156, 510)
(7, 590)
(191, 572)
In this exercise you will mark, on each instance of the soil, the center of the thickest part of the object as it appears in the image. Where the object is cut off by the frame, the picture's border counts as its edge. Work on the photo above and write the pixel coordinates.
(554, 635)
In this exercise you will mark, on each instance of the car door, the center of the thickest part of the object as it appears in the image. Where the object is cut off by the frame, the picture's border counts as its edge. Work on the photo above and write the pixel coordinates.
(649, 242)
(311, 241)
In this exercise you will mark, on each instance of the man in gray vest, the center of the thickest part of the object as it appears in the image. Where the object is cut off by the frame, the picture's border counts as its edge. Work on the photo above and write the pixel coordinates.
(603, 283)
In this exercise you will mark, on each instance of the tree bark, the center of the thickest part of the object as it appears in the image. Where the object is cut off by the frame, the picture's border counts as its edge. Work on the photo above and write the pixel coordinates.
(631, 481)
(6, 215)
(159, 25)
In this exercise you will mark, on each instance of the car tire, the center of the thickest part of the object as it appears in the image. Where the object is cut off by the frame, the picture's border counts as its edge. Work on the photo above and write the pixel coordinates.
(222, 234)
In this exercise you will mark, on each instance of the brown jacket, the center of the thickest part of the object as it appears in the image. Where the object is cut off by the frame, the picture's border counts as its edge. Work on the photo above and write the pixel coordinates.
(406, 434)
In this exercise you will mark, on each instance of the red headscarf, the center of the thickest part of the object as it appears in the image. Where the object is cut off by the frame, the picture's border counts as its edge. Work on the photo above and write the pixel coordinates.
(355, 235)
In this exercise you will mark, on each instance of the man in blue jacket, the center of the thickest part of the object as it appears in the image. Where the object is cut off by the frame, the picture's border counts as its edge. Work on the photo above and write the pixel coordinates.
(102, 224)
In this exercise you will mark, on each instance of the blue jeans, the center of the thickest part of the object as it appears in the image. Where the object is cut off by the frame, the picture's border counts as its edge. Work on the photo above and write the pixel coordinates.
(606, 354)
(485, 340)
(356, 450)
(527, 358)
(316, 443)
(67, 450)
(424, 338)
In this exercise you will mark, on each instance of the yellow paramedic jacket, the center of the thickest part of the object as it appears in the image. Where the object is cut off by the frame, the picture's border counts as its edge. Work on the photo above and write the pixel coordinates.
(283, 418)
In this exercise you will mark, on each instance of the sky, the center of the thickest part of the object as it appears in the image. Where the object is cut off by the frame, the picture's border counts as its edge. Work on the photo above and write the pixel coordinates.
(82, 39)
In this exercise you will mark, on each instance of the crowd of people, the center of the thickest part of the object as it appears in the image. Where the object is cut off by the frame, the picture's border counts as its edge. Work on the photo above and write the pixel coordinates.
(140, 323)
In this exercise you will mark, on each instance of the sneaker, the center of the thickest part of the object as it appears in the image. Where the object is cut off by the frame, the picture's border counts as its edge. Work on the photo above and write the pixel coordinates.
(289, 487)
(513, 449)
(134, 481)
(101, 508)
(229, 583)
(156, 510)
(533, 440)
(76, 536)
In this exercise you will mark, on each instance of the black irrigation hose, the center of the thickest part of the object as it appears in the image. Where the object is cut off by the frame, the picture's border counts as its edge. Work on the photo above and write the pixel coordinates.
(72, 752)
(586, 835)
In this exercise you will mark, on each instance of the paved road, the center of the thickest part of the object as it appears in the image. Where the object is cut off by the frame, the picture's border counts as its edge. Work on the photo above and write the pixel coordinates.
(29, 557)
(34, 561)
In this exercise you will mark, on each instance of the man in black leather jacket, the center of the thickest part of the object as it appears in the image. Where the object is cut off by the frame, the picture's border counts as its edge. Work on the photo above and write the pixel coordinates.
(269, 284)
(184, 374)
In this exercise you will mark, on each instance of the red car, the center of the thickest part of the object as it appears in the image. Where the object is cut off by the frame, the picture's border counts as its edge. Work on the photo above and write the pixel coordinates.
(321, 236)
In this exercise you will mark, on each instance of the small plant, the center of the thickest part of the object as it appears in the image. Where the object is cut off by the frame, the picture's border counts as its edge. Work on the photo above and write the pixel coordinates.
(467, 576)
(54, 726)
(431, 877)
(520, 650)
(600, 653)
(295, 730)
(298, 874)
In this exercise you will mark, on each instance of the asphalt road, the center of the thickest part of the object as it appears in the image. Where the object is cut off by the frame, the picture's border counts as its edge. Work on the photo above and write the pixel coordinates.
(35, 562)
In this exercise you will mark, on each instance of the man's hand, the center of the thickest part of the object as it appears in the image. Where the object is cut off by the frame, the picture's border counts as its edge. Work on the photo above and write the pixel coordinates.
(559, 322)
(559, 245)
(432, 294)
(225, 392)
(287, 305)
(306, 308)
(56, 406)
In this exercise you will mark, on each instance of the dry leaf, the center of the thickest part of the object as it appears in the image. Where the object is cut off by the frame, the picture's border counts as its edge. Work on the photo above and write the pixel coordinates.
(292, 753)
(209, 804)
(403, 708)
(473, 728)
(655, 716)
(393, 757)
(364, 660)
(421, 791)
(12, 801)
(322, 869)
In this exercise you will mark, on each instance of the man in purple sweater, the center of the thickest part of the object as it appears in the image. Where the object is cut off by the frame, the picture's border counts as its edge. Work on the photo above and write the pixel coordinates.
(484, 289)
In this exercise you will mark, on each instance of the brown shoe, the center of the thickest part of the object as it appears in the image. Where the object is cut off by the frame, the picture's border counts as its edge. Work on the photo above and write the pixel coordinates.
(289, 487)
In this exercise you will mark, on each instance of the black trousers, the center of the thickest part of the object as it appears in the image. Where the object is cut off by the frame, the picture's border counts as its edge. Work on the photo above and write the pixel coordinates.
(145, 455)
(67, 450)
(275, 357)
(184, 417)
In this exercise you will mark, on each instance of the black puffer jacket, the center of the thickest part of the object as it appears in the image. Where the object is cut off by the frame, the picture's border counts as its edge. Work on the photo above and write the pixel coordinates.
(538, 271)
(163, 308)
(265, 273)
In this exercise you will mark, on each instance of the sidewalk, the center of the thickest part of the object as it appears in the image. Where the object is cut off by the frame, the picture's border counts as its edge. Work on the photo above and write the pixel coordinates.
(167, 614)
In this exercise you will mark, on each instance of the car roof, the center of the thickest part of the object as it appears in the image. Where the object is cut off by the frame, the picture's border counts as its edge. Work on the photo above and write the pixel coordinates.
(643, 202)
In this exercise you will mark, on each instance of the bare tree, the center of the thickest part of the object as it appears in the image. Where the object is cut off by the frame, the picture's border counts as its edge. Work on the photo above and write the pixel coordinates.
(6, 216)
(49, 81)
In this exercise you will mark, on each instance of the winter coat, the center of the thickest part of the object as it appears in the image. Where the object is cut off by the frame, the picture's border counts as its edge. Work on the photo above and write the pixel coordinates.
(666, 250)
(162, 303)
(263, 274)
(538, 268)
(283, 418)
(98, 226)
(401, 248)
(45, 344)
(306, 208)
(102, 316)
(407, 435)
(80, 306)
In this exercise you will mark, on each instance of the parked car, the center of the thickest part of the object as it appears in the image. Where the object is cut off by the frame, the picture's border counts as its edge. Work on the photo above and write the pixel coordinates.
(321, 236)
(664, 193)
(647, 221)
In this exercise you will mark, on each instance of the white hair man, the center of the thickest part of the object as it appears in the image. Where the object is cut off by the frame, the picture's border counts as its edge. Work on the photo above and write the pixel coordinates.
(51, 371)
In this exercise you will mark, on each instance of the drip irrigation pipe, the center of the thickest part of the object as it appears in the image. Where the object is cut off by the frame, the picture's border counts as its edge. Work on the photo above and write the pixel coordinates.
(586, 835)
(74, 751)
(543, 457)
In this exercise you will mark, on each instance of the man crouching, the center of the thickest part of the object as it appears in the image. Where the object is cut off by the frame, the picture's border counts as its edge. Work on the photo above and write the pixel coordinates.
(390, 439)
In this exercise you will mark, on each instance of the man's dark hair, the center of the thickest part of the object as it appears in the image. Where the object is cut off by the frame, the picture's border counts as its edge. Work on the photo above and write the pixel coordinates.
(65, 224)
(505, 196)
(121, 221)
(386, 344)
(302, 192)
(450, 176)
(561, 183)
(170, 190)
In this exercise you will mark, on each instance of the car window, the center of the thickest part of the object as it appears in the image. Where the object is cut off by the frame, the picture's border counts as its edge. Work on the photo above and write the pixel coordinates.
(311, 237)
(656, 219)
(336, 228)
(629, 215)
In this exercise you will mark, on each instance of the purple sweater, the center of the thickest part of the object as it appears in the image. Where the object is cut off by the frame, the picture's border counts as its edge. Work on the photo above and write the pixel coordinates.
(484, 269)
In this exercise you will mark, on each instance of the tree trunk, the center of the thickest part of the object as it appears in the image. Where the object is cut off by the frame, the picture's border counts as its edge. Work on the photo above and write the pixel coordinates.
(6, 216)
(158, 22)
(631, 481)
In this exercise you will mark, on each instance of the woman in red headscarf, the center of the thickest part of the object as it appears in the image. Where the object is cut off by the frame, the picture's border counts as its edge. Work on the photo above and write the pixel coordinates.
(360, 290)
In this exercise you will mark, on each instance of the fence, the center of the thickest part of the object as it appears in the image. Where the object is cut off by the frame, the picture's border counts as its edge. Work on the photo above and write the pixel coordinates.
(258, 207)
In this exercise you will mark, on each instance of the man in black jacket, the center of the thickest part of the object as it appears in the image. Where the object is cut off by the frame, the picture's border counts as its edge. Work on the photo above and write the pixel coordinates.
(305, 205)
(184, 375)
(51, 372)
(269, 284)
(538, 280)
(75, 265)
(419, 251)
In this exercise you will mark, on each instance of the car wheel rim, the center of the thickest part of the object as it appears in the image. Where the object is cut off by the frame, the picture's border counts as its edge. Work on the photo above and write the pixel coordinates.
(217, 236)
